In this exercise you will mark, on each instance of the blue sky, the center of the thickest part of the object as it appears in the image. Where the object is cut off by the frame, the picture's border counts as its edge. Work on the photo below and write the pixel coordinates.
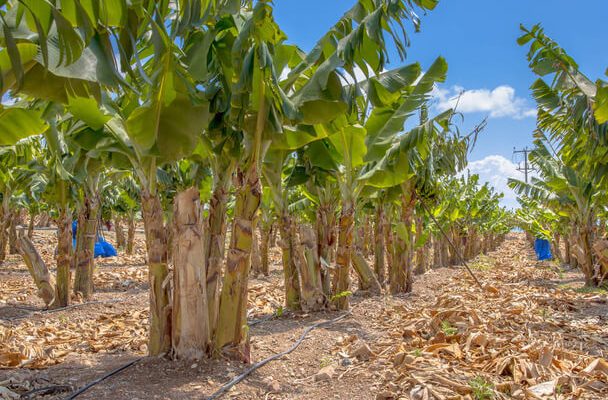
(478, 39)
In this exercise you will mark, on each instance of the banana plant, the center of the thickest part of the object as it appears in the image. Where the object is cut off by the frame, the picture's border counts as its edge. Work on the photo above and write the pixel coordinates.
(30, 198)
(121, 197)
(144, 75)
(413, 163)
(567, 192)
(318, 98)
(16, 176)
(356, 143)
(571, 142)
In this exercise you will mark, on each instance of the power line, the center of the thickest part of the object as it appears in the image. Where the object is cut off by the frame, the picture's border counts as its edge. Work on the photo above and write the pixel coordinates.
(526, 168)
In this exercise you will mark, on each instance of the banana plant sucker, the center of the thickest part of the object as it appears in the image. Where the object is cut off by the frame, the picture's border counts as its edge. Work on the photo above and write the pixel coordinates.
(380, 226)
(88, 222)
(326, 234)
(346, 223)
(231, 336)
(215, 234)
(401, 275)
(60, 163)
(259, 100)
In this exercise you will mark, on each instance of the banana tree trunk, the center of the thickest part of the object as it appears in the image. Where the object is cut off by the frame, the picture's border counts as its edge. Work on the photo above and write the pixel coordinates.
(256, 259)
(12, 232)
(190, 314)
(367, 235)
(273, 235)
(44, 220)
(84, 259)
(367, 277)
(379, 236)
(587, 264)
(445, 247)
(428, 248)
(436, 252)
(325, 240)
(467, 242)
(232, 334)
(600, 249)
(359, 248)
(390, 250)
(159, 340)
(341, 284)
(420, 252)
(485, 243)
(567, 251)
(120, 232)
(64, 257)
(290, 269)
(4, 224)
(530, 239)
(312, 297)
(31, 225)
(131, 234)
(556, 245)
(264, 248)
(168, 218)
(42, 277)
(455, 238)
(573, 247)
(215, 241)
(401, 273)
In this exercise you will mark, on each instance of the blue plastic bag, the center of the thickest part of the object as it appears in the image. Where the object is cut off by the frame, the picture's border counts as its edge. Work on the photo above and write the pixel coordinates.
(108, 249)
(542, 247)
(102, 248)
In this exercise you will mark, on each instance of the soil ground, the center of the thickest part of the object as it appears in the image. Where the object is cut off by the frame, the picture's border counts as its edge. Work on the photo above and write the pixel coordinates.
(532, 332)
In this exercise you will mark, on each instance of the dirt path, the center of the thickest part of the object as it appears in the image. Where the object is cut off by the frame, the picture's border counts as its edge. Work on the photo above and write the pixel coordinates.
(531, 331)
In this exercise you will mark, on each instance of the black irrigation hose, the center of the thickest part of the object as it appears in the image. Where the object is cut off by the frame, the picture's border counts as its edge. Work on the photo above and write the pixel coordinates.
(260, 364)
(131, 363)
(103, 378)
(453, 246)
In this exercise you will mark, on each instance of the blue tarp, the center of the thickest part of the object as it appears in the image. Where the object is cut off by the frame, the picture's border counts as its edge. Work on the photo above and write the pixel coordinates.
(102, 248)
(542, 248)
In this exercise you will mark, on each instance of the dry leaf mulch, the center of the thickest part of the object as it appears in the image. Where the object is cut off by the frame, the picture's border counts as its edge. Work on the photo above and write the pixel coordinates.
(530, 334)
(524, 336)
(114, 321)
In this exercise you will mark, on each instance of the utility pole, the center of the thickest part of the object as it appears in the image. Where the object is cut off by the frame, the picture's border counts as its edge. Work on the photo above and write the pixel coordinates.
(526, 168)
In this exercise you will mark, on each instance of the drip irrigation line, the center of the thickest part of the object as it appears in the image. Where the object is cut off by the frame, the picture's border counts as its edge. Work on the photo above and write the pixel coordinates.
(260, 364)
(57, 388)
(464, 263)
(101, 379)
(228, 385)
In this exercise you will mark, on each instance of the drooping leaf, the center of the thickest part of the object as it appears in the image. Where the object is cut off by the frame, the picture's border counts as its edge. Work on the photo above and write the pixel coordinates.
(88, 110)
(19, 123)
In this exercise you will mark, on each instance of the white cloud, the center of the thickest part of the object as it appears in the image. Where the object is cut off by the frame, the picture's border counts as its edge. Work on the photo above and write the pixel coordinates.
(499, 102)
(496, 170)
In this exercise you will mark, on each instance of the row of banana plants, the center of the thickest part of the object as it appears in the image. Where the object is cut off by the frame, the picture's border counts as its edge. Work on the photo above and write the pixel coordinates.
(565, 200)
(197, 115)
